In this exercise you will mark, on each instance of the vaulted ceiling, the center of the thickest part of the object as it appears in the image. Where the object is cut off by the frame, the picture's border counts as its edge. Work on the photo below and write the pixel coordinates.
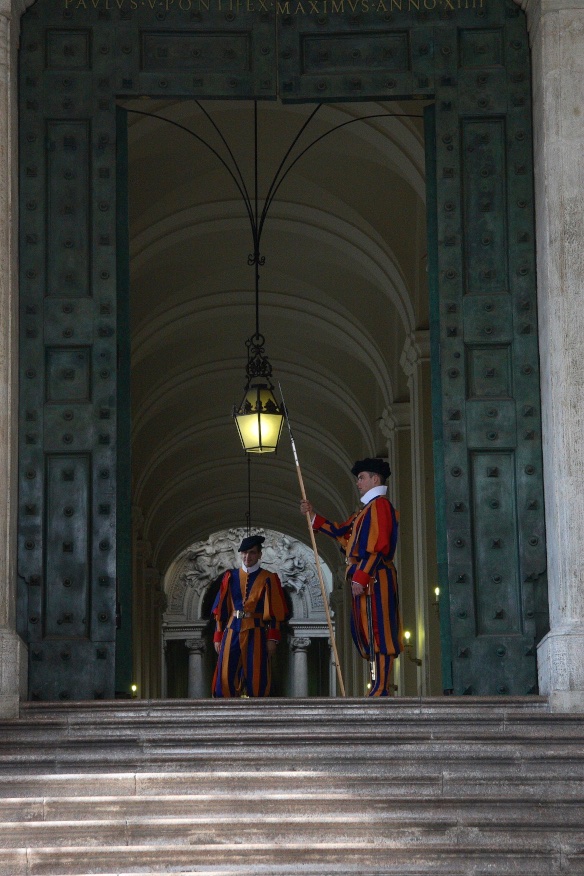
(344, 284)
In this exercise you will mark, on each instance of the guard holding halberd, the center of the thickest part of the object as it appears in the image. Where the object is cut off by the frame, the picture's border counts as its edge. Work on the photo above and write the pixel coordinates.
(368, 539)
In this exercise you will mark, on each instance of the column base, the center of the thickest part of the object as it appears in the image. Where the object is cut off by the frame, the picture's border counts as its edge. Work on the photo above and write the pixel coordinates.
(560, 660)
(13, 673)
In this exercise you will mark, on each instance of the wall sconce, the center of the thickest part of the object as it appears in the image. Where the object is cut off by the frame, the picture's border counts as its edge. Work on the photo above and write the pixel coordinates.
(408, 649)
(134, 689)
(436, 602)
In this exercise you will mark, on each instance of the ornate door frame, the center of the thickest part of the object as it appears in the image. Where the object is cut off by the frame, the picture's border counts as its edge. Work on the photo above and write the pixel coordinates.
(472, 60)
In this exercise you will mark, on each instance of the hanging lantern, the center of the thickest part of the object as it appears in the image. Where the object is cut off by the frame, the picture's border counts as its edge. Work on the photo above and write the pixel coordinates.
(258, 418)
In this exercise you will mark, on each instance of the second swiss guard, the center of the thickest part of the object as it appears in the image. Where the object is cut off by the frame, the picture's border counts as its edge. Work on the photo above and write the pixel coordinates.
(248, 611)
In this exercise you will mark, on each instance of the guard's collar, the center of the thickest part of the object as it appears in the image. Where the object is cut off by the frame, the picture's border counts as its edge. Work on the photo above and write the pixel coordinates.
(250, 569)
(373, 493)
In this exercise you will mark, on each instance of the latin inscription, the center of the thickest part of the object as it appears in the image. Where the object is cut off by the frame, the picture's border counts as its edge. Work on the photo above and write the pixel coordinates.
(281, 7)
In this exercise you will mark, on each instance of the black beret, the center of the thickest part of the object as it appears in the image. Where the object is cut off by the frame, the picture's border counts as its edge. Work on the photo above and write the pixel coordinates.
(375, 466)
(251, 541)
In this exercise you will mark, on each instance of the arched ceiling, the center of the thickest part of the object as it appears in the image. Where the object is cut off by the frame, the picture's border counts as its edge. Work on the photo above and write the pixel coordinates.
(343, 285)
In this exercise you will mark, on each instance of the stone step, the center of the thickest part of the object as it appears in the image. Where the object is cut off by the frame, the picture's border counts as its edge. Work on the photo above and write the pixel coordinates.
(277, 859)
(454, 768)
(491, 782)
(306, 750)
(236, 736)
(290, 708)
(461, 718)
(448, 787)
(546, 814)
(365, 828)
(448, 721)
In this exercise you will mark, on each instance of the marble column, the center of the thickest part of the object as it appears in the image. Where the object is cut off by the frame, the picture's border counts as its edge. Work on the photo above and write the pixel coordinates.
(142, 555)
(415, 362)
(13, 659)
(137, 596)
(299, 647)
(156, 605)
(332, 671)
(556, 32)
(196, 682)
(164, 669)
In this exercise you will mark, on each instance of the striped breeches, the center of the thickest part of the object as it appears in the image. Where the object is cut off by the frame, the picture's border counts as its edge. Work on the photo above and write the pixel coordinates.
(243, 666)
(387, 627)
(382, 686)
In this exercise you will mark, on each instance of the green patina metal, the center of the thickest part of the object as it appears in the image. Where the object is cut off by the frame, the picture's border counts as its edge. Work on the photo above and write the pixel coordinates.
(471, 59)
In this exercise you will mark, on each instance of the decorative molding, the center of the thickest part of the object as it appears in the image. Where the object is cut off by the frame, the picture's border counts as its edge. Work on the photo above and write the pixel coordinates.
(175, 631)
(143, 550)
(309, 629)
(137, 519)
(160, 600)
(415, 351)
(395, 418)
(536, 9)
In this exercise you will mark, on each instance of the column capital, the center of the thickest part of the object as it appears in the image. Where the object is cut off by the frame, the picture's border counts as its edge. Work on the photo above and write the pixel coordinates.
(299, 643)
(395, 418)
(152, 577)
(416, 350)
(12, 10)
(535, 9)
(196, 646)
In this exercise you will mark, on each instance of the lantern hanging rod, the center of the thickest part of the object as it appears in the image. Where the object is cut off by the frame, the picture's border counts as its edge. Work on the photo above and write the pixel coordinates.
(248, 514)
(257, 220)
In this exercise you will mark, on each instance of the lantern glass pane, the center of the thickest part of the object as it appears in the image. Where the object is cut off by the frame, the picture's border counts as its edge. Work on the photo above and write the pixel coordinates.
(259, 433)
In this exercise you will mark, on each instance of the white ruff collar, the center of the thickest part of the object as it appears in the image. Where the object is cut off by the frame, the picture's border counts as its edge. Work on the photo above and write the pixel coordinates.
(373, 493)
(250, 569)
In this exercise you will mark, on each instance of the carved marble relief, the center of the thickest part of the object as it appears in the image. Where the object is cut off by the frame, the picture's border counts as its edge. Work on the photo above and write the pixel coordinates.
(199, 566)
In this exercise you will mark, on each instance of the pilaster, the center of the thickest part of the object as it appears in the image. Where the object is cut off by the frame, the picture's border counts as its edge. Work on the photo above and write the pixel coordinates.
(156, 602)
(415, 362)
(395, 420)
(556, 30)
(13, 661)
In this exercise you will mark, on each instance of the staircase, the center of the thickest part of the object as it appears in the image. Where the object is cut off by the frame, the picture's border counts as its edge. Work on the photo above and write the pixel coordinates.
(448, 787)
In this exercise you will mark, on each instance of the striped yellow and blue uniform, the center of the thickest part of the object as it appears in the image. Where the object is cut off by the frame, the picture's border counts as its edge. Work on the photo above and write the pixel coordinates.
(368, 539)
(243, 665)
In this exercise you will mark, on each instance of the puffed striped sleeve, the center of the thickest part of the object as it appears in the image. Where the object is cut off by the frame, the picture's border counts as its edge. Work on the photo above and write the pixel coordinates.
(341, 532)
(275, 608)
(221, 609)
(376, 539)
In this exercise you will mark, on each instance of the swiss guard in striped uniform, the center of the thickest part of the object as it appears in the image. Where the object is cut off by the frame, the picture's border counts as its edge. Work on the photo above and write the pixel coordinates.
(368, 540)
(248, 611)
